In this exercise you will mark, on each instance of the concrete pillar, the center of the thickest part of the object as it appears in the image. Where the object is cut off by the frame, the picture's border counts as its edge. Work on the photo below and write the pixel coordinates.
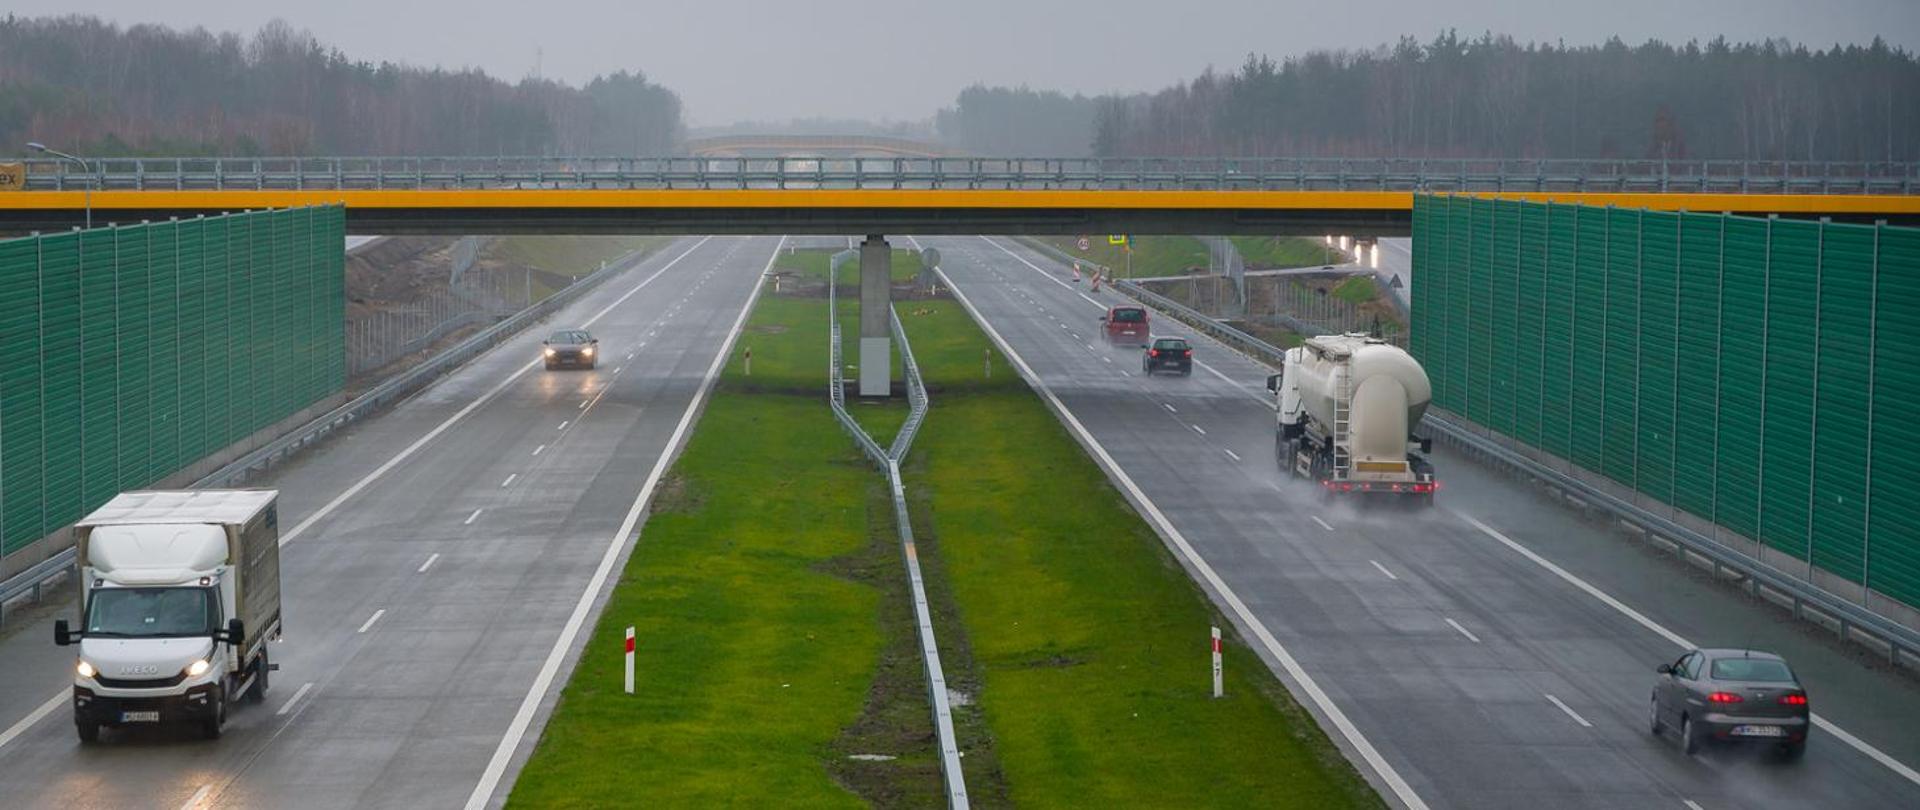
(876, 305)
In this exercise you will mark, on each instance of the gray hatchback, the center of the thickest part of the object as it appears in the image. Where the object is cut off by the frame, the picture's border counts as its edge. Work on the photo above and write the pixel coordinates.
(1731, 696)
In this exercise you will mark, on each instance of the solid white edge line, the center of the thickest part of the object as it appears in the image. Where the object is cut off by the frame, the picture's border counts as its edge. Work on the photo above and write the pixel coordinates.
(475, 516)
(1345, 726)
(33, 717)
(1570, 712)
(198, 797)
(1464, 631)
(431, 558)
(503, 753)
(297, 695)
(371, 619)
(1383, 570)
(1323, 524)
(483, 399)
(1823, 723)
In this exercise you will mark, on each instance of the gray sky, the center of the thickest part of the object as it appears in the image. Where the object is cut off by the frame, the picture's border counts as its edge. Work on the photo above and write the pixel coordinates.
(903, 59)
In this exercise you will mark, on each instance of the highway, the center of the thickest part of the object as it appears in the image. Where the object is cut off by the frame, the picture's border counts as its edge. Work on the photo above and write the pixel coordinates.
(440, 563)
(1495, 652)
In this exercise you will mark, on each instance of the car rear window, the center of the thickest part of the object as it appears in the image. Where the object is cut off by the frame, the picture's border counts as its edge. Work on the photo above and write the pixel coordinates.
(1129, 315)
(1752, 669)
(1174, 344)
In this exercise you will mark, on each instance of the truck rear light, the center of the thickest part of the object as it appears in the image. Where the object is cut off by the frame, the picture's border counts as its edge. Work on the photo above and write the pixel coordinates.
(1423, 488)
(1725, 697)
(1793, 700)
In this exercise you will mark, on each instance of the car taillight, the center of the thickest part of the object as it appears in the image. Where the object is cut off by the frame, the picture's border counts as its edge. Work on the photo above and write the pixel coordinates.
(1189, 353)
(1793, 700)
(1153, 352)
(1725, 697)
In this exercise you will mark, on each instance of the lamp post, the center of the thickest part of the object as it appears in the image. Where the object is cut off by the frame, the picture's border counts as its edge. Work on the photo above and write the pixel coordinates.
(85, 170)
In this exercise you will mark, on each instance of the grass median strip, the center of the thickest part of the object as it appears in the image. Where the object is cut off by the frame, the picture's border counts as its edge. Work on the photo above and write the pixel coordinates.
(1088, 638)
(774, 644)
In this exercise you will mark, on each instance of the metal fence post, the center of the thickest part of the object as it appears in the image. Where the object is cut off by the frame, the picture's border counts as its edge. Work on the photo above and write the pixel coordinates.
(1873, 347)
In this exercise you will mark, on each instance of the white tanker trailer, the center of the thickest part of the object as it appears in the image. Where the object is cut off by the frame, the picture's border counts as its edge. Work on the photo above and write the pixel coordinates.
(1348, 406)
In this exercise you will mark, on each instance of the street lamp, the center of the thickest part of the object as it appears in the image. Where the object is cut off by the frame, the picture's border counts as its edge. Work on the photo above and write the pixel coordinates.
(85, 170)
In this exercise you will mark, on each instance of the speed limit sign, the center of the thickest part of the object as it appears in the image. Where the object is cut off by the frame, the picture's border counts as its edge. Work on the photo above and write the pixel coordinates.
(1085, 244)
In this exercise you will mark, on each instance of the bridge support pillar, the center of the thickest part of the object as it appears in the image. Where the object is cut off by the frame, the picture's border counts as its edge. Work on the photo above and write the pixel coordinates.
(876, 304)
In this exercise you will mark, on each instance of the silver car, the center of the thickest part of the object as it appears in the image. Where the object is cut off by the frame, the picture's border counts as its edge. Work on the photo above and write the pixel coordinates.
(1730, 695)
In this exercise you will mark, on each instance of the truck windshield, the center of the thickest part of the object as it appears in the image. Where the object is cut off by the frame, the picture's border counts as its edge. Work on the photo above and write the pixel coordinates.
(152, 612)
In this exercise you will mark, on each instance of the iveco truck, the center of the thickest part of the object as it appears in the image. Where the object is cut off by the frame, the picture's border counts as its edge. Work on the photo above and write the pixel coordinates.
(179, 594)
(1347, 408)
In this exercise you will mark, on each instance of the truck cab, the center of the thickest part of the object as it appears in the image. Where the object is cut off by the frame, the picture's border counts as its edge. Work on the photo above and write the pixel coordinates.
(179, 594)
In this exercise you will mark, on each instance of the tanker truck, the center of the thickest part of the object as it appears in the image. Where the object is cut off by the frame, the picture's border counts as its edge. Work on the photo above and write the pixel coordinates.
(1348, 406)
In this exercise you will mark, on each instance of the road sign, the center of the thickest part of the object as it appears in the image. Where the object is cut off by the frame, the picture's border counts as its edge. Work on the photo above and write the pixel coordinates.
(930, 258)
(1116, 239)
(1395, 282)
(1085, 243)
(13, 176)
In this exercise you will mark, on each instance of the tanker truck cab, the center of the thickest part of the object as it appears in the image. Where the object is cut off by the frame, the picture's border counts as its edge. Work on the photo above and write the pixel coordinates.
(180, 592)
(1347, 407)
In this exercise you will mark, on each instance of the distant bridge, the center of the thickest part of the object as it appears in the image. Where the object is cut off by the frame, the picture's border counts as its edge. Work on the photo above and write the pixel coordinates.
(803, 146)
(928, 195)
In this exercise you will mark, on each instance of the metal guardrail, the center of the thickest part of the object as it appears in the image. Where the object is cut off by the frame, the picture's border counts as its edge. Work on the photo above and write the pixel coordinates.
(376, 399)
(1271, 174)
(1806, 600)
(889, 461)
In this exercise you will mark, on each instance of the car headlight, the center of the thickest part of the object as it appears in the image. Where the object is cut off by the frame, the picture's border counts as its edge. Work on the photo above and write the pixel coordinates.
(197, 668)
(85, 669)
(588, 351)
(549, 352)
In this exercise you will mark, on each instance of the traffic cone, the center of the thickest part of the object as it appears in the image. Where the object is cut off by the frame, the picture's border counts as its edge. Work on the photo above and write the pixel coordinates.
(1076, 271)
(1096, 281)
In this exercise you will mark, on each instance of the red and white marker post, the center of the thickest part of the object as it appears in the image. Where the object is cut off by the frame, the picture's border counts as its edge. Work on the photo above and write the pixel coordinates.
(1076, 271)
(1216, 663)
(630, 663)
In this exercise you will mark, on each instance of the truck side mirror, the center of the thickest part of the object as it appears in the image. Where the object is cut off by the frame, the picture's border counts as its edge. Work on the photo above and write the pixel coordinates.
(1273, 383)
(236, 633)
(63, 634)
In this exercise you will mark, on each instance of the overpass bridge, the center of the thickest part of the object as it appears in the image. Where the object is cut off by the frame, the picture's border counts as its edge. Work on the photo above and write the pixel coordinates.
(927, 195)
(845, 146)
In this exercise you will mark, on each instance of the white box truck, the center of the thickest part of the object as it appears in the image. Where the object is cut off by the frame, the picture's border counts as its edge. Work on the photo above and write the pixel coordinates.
(179, 594)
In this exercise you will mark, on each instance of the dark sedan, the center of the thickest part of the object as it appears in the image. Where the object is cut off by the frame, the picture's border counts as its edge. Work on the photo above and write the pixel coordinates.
(1724, 695)
(1167, 354)
(570, 347)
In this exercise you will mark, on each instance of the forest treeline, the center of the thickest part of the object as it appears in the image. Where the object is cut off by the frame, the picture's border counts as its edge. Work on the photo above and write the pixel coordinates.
(103, 90)
(1491, 97)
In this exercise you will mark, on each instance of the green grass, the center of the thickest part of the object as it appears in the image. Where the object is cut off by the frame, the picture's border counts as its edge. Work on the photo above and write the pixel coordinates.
(1162, 256)
(1088, 636)
(766, 597)
(572, 255)
(1357, 290)
(812, 263)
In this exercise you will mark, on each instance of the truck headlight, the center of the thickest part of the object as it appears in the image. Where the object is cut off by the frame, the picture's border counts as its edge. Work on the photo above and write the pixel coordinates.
(197, 668)
(85, 669)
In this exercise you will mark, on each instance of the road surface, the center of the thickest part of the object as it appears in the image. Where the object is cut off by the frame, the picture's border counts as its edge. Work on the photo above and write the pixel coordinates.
(434, 558)
(1465, 672)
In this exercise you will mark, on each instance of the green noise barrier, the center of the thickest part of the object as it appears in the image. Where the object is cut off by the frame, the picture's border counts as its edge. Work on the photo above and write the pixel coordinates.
(129, 353)
(1762, 375)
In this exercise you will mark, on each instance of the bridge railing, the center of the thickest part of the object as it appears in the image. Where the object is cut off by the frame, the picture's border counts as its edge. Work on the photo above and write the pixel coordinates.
(1249, 174)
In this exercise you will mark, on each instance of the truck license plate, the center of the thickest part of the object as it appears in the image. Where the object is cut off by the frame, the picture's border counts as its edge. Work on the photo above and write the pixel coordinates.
(140, 717)
(1759, 731)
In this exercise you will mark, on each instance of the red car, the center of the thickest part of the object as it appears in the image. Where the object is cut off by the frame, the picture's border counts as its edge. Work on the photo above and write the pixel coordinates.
(1125, 326)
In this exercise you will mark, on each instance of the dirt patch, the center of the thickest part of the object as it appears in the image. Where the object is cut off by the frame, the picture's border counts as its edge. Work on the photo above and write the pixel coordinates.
(676, 494)
(767, 329)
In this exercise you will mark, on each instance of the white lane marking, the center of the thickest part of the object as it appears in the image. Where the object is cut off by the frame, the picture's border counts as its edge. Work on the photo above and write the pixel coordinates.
(630, 355)
(1691, 804)
(1877, 755)
(1230, 453)
(371, 619)
(1570, 712)
(483, 399)
(1317, 696)
(503, 753)
(471, 518)
(1383, 570)
(34, 716)
(1169, 407)
(616, 369)
(564, 424)
(539, 450)
(509, 481)
(1323, 524)
(1125, 373)
(1263, 400)
(198, 797)
(583, 404)
(1091, 301)
(297, 695)
(1464, 631)
(1106, 359)
(1198, 429)
(431, 558)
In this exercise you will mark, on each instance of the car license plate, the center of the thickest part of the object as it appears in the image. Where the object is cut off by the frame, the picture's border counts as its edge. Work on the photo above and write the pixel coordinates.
(1759, 731)
(140, 717)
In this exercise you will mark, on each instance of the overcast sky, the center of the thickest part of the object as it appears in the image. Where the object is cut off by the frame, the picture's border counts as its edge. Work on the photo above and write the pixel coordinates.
(902, 59)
